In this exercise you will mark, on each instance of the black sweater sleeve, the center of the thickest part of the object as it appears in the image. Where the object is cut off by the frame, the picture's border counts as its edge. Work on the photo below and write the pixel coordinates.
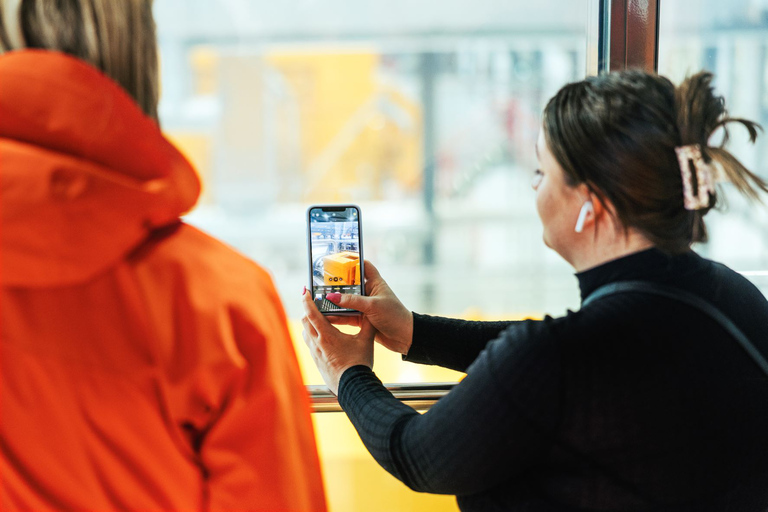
(449, 342)
(490, 427)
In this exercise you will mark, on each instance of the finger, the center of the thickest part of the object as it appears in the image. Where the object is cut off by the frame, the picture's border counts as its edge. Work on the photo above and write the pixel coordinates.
(367, 330)
(344, 320)
(314, 317)
(309, 332)
(348, 300)
(372, 278)
(309, 305)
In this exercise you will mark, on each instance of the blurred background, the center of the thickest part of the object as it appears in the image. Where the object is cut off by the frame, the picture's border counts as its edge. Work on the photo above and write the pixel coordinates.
(425, 115)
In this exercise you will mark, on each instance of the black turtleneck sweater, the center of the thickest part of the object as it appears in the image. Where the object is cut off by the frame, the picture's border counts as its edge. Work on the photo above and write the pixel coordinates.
(633, 403)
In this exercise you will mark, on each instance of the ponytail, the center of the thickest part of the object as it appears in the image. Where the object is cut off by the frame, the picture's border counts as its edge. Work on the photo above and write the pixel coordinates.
(699, 114)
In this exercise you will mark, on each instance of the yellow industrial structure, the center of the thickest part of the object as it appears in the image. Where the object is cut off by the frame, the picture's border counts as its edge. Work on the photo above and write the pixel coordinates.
(342, 268)
(339, 131)
(358, 133)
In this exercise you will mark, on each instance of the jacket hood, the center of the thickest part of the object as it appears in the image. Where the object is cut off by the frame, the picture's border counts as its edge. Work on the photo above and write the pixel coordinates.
(86, 175)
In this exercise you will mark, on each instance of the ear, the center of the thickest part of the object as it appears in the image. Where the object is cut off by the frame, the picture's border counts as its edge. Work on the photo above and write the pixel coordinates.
(593, 209)
(602, 211)
(599, 209)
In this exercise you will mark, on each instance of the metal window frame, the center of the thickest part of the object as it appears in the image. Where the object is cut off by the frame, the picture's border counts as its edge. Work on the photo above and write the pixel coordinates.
(419, 396)
(629, 35)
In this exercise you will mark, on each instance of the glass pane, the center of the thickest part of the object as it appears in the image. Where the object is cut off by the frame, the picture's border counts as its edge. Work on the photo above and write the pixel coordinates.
(427, 120)
(424, 114)
(731, 40)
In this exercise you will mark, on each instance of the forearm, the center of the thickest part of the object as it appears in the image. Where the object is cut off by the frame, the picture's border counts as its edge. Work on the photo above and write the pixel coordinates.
(375, 413)
(450, 342)
(489, 427)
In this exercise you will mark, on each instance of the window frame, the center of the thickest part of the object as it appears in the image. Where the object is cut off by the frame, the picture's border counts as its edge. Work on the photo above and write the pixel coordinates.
(629, 35)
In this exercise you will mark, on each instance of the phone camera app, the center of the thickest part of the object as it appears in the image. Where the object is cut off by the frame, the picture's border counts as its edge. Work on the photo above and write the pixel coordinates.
(335, 249)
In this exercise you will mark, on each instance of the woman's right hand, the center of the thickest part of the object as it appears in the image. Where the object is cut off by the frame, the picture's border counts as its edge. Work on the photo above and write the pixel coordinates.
(392, 321)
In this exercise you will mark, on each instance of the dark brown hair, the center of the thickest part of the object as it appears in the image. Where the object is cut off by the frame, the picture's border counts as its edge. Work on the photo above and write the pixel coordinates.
(116, 37)
(618, 132)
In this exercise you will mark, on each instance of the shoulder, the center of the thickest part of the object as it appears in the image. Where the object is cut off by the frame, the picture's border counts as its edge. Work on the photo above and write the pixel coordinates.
(531, 344)
(731, 282)
(218, 300)
(740, 300)
(578, 325)
(587, 331)
(183, 252)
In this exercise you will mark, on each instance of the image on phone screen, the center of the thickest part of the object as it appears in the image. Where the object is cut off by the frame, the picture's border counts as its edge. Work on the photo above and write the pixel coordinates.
(335, 254)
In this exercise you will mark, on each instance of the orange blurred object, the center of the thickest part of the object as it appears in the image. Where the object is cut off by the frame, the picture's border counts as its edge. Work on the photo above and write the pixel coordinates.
(145, 365)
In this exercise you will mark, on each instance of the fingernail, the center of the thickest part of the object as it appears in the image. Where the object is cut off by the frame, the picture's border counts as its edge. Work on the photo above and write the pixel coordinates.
(305, 291)
(334, 297)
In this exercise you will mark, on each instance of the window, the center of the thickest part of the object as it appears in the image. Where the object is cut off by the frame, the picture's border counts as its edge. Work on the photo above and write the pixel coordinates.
(423, 114)
(425, 117)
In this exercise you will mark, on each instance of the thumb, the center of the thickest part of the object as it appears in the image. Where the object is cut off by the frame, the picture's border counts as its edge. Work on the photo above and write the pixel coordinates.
(350, 300)
(367, 330)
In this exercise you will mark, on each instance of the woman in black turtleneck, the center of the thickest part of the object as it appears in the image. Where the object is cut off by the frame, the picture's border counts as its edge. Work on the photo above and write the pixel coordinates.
(636, 402)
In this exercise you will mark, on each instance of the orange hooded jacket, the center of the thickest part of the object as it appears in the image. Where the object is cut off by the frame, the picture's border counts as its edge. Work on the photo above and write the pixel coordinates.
(145, 366)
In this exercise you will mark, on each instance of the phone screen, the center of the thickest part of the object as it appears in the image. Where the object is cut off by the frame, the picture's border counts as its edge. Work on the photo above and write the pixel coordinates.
(335, 254)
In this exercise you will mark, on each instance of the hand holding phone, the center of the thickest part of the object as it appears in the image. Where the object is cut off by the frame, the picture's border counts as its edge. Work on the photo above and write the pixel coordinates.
(335, 243)
(392, 321)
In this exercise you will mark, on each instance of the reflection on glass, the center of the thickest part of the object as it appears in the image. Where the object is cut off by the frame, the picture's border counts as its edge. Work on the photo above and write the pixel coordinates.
(731, 40)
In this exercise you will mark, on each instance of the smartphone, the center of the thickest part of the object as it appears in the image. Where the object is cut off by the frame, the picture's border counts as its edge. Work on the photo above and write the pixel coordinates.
(335, 242)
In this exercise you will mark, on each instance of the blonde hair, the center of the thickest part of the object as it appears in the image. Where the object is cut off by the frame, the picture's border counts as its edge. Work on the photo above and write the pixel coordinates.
(116, 36)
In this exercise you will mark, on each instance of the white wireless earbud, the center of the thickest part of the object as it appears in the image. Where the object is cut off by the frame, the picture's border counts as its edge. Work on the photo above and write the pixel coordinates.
(585, 209)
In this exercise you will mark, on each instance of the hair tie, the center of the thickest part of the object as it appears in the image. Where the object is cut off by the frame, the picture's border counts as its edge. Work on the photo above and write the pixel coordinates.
(690, 156)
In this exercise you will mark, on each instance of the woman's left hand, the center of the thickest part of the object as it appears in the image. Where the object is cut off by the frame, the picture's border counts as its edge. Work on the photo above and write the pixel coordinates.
(332, 350)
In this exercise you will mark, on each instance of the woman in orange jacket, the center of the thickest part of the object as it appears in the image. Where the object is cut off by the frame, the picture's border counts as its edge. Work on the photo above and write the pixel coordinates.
(145, 365)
